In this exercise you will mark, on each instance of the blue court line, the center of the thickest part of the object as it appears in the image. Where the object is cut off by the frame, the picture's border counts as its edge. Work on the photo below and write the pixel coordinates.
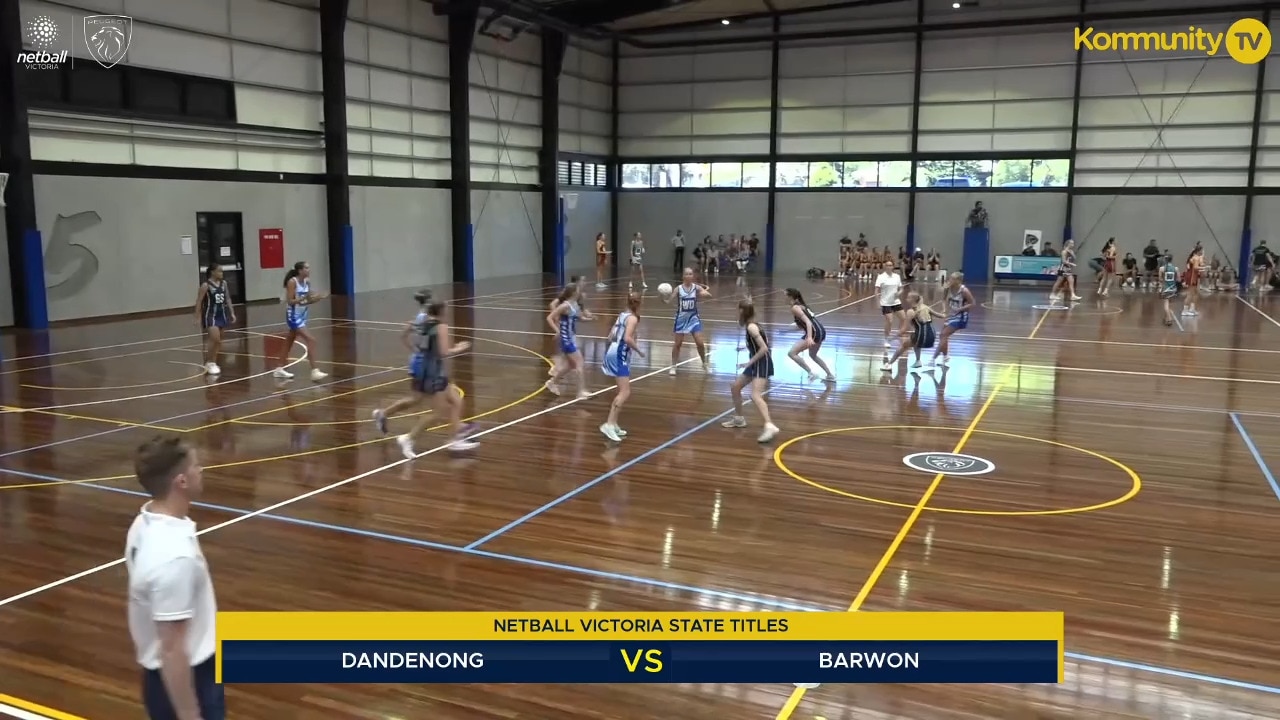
(1257, 456)
(587, 486)
(205, 411)
(604, 574)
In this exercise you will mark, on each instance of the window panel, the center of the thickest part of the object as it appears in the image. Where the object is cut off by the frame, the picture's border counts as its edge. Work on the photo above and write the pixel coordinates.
(602, 175)
(726, 175)
(793, 174)
(589, 174)
(1050, 173)
(860, 174)
(894, 173)
(92, 86)
(208, 99)
(695, 175)
(562, 171)
(954, 173)
(755, 175)
(575, 173)
(666, 175)
(633, 175)
(824, 174)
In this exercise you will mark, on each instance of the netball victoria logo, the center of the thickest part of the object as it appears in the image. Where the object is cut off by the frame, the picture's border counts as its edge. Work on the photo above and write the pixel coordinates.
(43, 37)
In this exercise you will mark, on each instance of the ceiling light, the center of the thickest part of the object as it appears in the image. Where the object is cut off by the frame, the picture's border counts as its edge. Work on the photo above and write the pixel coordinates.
(725, 21)
(955, 6)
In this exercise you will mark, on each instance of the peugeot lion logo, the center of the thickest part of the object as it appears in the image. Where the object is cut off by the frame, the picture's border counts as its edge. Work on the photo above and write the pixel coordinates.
(107, 38)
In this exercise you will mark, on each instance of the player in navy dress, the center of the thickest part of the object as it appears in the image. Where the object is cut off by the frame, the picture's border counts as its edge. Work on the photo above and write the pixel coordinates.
(756, 372)
(428, 338)
(563, 320)
(917, 331)
(687, 294)
(959, 302)
(214, 312)
(814, 335)
(298, 298)
(617, 363)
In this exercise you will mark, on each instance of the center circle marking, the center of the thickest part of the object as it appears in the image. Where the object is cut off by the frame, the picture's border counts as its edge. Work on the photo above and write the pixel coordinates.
(948, 463)
(1134, 479)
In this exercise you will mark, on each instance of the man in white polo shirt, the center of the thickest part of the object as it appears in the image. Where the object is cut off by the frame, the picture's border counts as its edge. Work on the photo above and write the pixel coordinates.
(171, 604)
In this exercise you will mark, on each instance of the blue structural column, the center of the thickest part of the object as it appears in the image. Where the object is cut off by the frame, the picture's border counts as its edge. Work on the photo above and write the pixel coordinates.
(976, 258)
(26, 251)
(554, 45)
(462, 32)
(917, 75)
(775, 111)
(333, 72)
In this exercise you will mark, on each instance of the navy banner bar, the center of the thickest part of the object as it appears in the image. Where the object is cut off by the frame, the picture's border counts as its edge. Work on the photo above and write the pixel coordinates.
(934, 661)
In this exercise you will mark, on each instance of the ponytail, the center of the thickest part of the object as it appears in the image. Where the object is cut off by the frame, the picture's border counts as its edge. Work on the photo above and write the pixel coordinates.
(297, 269)
(796, 297)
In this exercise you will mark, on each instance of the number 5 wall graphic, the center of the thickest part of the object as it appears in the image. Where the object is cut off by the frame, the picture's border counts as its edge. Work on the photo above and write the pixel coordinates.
(69, 267)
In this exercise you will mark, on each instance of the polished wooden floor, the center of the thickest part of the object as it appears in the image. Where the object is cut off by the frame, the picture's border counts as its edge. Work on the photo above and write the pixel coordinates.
(1170, 593)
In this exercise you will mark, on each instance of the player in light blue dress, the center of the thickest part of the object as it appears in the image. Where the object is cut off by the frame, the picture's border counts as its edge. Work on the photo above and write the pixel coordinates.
(579, 281)
(686, 295)
(563, 320)
(298, 298)
(617, 363)
(959, 302)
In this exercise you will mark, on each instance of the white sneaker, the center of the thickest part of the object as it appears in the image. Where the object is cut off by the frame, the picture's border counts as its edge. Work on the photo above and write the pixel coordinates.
(621, 433)
(282, 374)
(886, 367)
(888, 343)
(551, 387)
(463, 444)
(317, 375)
(645, 285)
(770, 432)
(610, 432)
(583, 394)
(406, 447)
(672, 371)
(1076, 297)
(213, 369)
(601, 286)
(737, 421)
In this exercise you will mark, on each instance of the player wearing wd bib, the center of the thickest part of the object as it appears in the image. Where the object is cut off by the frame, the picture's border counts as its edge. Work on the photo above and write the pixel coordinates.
(686, 296)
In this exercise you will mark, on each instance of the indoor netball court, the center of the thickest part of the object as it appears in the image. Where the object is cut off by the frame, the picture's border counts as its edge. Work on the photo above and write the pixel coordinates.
(1119, 471)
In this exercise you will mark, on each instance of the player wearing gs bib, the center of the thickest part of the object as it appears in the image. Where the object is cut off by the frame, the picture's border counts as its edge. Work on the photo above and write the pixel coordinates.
(214, 312)
(756, 372)
(563, 320)
(1168, 276)
(959, 303)
(427, 337)
(814, 335)
(617, 363)
(917, 331)
(298, 298)
(686, 295)
(637, 261)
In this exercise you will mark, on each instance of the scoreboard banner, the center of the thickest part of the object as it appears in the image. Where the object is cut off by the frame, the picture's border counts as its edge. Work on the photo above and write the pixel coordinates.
(420, 648)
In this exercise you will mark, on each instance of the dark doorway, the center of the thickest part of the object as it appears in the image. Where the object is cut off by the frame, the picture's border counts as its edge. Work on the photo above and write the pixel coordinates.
(220, 240)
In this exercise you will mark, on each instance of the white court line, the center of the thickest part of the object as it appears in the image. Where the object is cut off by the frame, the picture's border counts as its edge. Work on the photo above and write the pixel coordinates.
(131, 344)
(338, 484)
(1258, 310)
(841, 307)
(88, 403)
(17, 712)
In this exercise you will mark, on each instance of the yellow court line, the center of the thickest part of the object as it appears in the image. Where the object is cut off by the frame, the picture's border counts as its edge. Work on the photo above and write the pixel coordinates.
(68, 363)
(31, 707)
(199, 374)
(1135, 481)
(304, 453)
(798, 694)
(327, 362)
(87, 418)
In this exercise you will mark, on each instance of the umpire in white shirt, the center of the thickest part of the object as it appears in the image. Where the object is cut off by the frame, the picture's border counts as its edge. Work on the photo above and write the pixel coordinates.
(171, 604)
(677, 242)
